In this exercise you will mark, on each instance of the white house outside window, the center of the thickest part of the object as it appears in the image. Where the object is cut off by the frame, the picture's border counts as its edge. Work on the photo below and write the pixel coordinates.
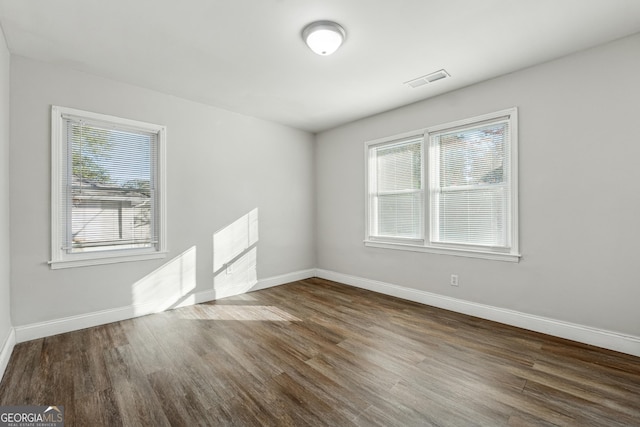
(470, 171)
(107, 189)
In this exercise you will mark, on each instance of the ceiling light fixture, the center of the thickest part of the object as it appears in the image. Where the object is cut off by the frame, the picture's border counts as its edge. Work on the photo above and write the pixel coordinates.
(323, 37)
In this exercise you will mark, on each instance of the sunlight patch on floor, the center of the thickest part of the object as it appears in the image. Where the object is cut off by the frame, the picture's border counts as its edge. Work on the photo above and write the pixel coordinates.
(263, 313)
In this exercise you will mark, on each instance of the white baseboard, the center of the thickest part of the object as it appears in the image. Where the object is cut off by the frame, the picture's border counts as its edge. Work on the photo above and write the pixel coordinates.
(88, 320)
(584, 334)
(5, 351)
(73, 323)
(284, 278)
(243, 288)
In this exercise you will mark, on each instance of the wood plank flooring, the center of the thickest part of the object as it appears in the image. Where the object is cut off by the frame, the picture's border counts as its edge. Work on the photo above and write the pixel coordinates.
(320, 353)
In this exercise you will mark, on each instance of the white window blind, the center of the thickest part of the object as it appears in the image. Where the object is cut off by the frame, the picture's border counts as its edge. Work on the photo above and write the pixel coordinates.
(470, 185)
(396, 192)
(108, 193)
(110, 188)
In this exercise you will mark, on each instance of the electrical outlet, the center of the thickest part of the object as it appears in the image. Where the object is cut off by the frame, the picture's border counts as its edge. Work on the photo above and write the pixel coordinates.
(454, 280)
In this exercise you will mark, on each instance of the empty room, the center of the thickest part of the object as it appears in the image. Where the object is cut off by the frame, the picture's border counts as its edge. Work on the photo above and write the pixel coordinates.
(327, 213)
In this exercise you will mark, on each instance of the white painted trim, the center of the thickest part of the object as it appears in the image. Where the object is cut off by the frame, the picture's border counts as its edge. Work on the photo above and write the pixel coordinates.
(73, 323)
(585, 334)
(284, 278)
(264, 283)
(494, 256)
(106, 259)
(87, 320)
(5, 351)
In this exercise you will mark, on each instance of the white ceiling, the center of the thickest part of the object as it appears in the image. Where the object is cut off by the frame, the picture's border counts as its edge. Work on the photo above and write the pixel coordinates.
(247, 55)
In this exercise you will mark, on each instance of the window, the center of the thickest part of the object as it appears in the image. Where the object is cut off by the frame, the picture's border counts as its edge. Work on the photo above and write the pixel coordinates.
(397, 201)
(107, 189)
(470, 171)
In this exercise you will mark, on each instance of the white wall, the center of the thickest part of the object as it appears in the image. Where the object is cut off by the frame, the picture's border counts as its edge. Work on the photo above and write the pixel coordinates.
(221, 166)
(5, 312)
(579, 145)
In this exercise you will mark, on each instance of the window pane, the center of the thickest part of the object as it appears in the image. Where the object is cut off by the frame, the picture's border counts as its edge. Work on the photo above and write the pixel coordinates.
(396, 189)
(475, 156)
(112, 190)
(400, 215)
(470, 191)
(399, 167)
(476, 217)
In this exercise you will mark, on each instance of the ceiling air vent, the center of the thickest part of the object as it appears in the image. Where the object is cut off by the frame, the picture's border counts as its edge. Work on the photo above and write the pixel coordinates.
(429, 78)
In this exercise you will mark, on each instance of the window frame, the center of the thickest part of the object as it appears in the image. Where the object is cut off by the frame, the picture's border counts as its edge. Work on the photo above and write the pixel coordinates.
(61, 258)
(426, 243)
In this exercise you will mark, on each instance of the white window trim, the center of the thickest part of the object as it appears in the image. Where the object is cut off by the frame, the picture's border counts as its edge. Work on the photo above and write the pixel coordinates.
(59, 257)
(424, 244)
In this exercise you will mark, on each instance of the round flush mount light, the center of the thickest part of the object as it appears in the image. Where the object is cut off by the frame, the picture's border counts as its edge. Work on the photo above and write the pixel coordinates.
(323, 37)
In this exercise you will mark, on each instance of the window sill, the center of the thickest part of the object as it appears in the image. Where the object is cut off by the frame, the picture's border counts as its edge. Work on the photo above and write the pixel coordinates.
(494, 256)
(104, 259)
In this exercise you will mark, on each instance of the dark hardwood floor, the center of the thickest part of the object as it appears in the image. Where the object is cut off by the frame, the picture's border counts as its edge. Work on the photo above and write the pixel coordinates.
(316, 352)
